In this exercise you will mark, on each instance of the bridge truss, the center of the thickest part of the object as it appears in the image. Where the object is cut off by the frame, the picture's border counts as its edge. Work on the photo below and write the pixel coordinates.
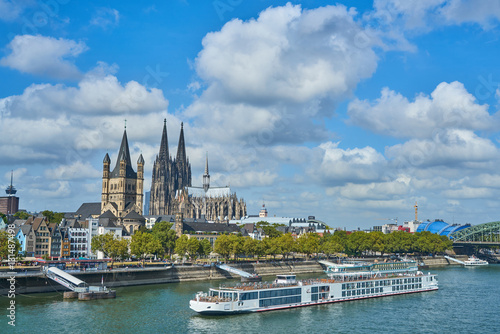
(483, 233)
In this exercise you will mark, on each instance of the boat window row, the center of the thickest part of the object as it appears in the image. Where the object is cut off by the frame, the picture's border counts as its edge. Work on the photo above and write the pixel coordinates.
(391, 266)
(360, 285)
(279, 301)
(224, 295)
(316, 289)
(316, 296)
(279, 293)
(249, 295)
(407, 287)
(406, 280)
(360, 292)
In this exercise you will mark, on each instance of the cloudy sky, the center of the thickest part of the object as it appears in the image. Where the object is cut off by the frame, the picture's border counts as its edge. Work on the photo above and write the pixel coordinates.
(351, 112)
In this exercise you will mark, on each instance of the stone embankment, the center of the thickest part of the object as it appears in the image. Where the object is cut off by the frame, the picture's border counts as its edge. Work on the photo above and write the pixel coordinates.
(31, 282)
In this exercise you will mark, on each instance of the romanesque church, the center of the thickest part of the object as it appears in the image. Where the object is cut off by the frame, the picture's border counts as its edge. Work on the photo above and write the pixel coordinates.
(122, 189)
(172, 191)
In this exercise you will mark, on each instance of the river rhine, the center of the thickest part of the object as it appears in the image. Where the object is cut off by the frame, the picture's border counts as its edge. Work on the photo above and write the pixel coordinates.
(468, 301)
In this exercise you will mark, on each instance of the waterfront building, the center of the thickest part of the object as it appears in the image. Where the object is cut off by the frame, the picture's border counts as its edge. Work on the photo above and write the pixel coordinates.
(172, 192)
(440, 227)
(55, 241)
(122, 187)
(42, 233)
(27, 239)
(79, 236)
(65, 244)
(79, 242)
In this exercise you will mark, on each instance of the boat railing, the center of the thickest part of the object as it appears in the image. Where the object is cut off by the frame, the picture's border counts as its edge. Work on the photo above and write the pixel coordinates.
(351, 277)
(268, 285)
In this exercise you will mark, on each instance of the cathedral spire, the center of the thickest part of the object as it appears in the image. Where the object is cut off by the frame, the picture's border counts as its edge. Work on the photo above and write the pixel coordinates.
(164, 143)
(206, 176)
(181, 149)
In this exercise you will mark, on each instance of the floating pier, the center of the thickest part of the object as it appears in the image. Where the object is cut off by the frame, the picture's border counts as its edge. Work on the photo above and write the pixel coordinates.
(245, 277)
(79, 289)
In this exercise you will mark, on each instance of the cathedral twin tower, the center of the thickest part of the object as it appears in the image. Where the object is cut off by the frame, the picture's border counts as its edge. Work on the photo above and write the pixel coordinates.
(171, 190)
(169, 175)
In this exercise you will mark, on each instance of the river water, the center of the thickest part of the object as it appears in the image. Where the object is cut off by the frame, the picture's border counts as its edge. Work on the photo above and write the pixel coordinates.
(468, 301)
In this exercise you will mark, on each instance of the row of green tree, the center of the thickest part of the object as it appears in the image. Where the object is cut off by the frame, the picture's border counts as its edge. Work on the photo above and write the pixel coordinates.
(162, 242)
(354, 244)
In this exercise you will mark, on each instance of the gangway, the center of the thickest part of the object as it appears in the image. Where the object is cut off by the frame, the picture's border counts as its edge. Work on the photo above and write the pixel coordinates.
(63, 278)
(327, 263)
(244, 275)
(453, 259)
(79, 288)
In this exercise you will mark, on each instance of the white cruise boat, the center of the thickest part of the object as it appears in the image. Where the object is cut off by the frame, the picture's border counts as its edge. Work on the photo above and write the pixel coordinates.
(345, 283)
(474, 261)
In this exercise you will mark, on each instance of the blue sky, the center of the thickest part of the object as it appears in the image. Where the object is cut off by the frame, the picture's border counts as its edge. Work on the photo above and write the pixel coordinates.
(350, 111)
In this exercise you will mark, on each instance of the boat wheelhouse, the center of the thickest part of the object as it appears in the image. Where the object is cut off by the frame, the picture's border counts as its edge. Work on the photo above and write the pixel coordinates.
(345, 283)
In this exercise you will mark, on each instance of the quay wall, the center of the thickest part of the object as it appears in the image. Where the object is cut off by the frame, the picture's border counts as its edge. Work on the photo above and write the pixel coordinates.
(32, 282)
(36, 282)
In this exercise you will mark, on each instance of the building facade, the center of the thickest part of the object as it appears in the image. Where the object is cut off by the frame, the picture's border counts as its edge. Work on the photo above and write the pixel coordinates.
(42, 234)
(9, 205)
(55, 237)
(27, 239)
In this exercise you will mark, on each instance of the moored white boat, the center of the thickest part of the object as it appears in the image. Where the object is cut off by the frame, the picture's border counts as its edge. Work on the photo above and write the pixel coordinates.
(349, 283)
(474, 261)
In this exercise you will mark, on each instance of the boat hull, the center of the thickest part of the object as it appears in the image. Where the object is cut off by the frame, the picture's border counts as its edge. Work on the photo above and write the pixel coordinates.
(229, 309)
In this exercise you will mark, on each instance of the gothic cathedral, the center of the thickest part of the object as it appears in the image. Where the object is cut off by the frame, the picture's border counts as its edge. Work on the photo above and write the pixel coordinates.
(169, 175)
(172, 193)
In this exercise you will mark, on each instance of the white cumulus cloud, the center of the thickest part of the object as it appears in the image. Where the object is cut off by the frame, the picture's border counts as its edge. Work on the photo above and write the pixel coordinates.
(448, 106)
(357, 165)
(44, 56)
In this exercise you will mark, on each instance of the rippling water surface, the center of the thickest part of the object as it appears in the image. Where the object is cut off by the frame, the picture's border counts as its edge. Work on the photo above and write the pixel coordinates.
(468, 301)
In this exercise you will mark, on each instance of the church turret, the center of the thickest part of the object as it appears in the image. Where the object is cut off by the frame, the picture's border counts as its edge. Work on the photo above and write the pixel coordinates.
(140, 167)
(206, 176)
(140, 183)
(105, 180)
(105, 166)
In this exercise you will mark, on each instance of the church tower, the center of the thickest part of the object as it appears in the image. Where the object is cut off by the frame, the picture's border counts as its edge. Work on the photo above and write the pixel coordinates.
(122, 188)
(169, 176)
(182, 164)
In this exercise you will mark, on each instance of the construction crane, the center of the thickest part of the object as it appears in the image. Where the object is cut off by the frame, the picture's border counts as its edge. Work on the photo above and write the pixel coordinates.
(395, 219)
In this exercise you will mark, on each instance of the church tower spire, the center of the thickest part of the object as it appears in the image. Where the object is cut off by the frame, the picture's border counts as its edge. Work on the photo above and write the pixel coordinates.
(164, 143)
(123, 160)
(181, 148)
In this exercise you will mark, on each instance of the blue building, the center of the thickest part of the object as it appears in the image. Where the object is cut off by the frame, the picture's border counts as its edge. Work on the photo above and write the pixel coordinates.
(440, 227)
(26, 237)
